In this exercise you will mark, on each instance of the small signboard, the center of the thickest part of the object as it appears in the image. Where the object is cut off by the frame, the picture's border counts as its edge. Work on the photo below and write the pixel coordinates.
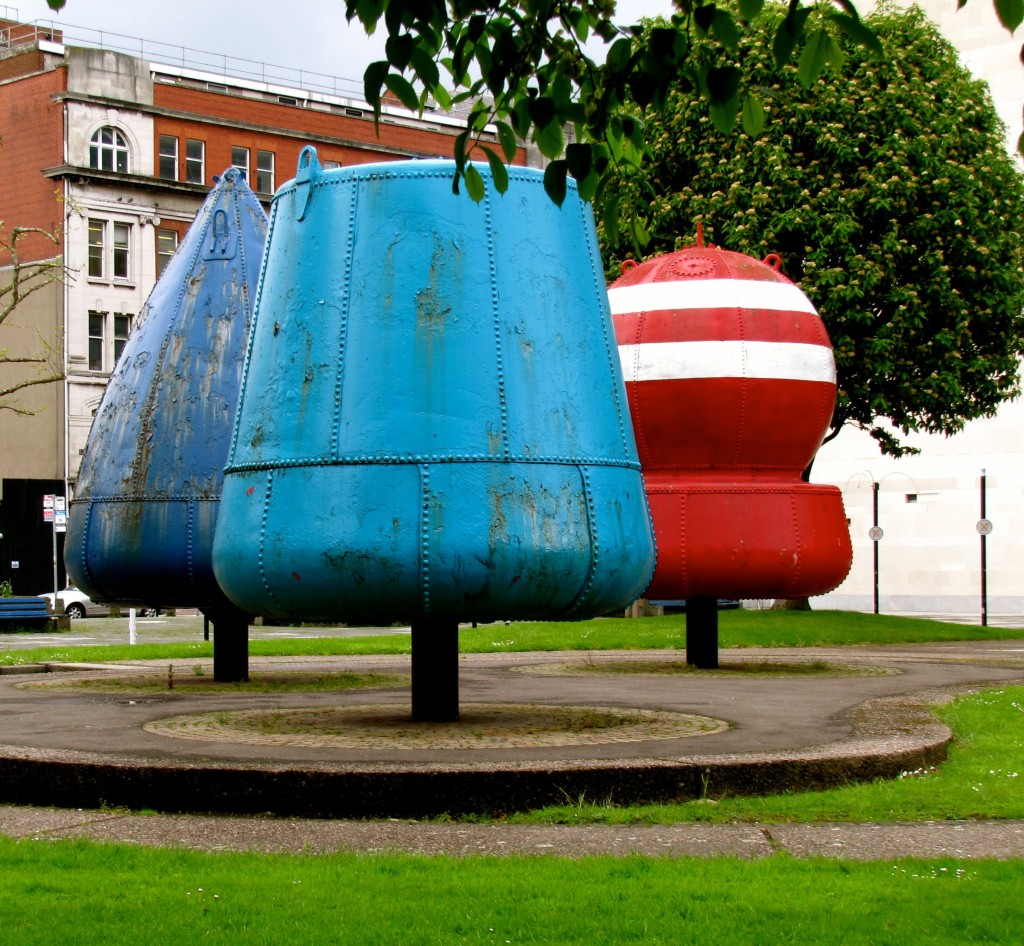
(875, 533)
(984, 527)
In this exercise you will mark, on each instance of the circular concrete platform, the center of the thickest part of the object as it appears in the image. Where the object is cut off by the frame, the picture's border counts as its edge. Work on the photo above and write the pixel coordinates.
(626, 736)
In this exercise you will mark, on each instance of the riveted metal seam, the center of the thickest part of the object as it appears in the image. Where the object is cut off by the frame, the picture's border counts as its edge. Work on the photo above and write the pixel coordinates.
(492, 275)
(339, 380)
(190, 544)
(684, 558)
(261, 561)
(639, 427)
(650, 530)
(417, 459)
(252, 335)
(743, 420)
(611, 348)
(85, 543)
(425, 539)
(797, 543)
(144, 499)
(595, 549)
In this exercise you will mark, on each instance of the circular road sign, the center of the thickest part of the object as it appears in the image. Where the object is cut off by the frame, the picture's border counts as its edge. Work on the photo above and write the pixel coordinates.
(875, 533)
(984, 527)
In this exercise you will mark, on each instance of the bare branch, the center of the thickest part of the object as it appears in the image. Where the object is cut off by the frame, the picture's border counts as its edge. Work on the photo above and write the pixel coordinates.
(27, 278)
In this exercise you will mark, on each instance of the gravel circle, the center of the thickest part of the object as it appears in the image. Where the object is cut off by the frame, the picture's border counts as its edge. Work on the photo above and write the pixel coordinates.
(481, 726)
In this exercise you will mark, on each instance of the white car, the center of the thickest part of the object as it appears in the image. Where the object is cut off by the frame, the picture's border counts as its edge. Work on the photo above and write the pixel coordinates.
(77, 604)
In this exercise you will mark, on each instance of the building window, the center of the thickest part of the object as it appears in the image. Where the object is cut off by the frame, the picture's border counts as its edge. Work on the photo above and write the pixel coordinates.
(110, 250)
(166, 244)
(96, 249)
(122, 328)
(100, 325)
(265, 172)
(122, 247)
(195, 161)
(168, 157)
(240, 159)
(108, 150)
(97, 322)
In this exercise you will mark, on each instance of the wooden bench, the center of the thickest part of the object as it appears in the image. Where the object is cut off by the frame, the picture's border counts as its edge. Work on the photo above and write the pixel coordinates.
(25, 613)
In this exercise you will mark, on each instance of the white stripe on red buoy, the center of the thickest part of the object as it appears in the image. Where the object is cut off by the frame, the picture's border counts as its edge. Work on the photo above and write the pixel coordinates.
(667, 361)
(709, 294)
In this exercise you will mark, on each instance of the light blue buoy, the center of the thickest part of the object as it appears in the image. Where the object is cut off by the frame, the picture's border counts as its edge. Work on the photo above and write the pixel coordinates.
(141, 524)
(433, 425)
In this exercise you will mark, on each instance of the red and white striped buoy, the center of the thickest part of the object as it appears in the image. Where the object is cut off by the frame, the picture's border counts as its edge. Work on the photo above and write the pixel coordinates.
(732, 383)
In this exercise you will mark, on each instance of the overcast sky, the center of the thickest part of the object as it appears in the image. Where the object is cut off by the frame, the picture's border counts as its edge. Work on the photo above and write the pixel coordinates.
(302, 34)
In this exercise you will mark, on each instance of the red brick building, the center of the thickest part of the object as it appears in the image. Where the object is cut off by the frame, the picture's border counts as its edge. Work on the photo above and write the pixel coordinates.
(114, 154)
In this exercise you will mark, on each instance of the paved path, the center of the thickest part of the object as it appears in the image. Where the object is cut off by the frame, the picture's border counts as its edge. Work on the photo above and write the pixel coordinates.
(949, 839)
(72, 747)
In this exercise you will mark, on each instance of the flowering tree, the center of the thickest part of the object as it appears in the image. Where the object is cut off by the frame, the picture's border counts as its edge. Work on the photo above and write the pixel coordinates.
(893, 203)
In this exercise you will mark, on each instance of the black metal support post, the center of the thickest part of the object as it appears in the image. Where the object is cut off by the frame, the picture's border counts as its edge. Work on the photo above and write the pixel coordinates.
(874, 520)
(230, 643)
(435, 671)
(983, 529)
(702, 632)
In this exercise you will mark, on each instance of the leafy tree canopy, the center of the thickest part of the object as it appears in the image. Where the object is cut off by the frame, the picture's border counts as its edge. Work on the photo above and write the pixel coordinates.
(893, 203)
(523, 67)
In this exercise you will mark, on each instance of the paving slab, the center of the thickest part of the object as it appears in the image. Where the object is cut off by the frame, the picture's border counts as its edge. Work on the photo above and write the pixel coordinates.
(957, 840)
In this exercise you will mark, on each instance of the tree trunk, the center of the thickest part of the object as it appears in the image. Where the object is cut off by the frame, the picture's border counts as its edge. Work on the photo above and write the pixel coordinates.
(792, 604)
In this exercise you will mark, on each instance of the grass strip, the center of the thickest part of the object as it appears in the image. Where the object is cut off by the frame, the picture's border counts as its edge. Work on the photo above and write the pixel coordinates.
(982, 778)
(112, 895)
(738, 628)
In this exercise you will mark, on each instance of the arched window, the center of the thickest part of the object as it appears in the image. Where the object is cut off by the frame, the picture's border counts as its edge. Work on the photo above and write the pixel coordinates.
(108, 150)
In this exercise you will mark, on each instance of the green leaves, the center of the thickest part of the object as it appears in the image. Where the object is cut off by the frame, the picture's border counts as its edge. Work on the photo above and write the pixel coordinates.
(873, 193)
(555, 181)
(862, 35)
(752, 116)
(402, 88)
(750, 9)
(499, 172)
(820, 50)
(723, 85)
(507, 138)
(788, 33)
(522, 68)
(1010, 13)
(474, 183)
(373, 81)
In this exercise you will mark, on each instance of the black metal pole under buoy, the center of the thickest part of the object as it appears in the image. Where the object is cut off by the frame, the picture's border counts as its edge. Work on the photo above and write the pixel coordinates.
(876, 536)
(230, 643)
(984, 528)
(435, 671)
(702, 632)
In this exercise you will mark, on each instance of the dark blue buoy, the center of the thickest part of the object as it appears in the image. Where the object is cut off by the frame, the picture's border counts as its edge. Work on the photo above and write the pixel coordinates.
(141, 523)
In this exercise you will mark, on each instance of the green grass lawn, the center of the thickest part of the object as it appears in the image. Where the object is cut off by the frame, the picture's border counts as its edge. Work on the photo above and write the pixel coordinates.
(108, 895)
(115, 894)
(982, 778)
(739, 628)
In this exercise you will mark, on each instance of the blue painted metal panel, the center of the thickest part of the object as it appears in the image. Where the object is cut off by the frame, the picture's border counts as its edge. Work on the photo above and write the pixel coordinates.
(141, 524)
(433, 422)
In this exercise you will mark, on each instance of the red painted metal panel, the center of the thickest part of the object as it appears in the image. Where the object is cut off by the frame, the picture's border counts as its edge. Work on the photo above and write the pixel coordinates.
(731, 384)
